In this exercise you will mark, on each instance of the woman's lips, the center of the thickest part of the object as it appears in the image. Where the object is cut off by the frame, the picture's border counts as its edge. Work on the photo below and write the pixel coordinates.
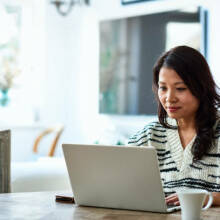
(173, 109)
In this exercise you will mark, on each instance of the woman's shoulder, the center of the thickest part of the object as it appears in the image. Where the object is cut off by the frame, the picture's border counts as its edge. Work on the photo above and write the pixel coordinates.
(154, 126)
(150, 128)
(148, 133)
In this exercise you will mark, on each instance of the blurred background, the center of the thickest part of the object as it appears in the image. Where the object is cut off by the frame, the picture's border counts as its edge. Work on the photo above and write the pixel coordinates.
(87, 65)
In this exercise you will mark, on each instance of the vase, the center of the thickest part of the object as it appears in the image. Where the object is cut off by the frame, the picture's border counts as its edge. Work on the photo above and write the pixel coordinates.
(4, 99)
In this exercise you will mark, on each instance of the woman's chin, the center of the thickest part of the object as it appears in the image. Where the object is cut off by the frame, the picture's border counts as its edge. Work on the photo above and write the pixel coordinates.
(174, 116)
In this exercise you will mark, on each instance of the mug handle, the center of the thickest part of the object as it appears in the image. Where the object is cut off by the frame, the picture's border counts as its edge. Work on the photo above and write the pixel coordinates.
(209, 202)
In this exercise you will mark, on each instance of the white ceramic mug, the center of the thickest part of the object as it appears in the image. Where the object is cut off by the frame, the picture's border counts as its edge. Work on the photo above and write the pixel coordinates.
(191, 202)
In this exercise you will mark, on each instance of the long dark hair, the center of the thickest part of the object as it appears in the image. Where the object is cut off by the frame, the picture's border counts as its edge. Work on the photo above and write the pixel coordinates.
(193, 69)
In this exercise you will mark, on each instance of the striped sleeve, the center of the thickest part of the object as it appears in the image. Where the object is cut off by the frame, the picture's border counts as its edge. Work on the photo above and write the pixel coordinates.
(149, 135)
(217, 175)
(214, 158)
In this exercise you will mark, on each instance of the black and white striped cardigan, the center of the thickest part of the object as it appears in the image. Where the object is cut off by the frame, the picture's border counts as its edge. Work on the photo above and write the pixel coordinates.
(177, 168)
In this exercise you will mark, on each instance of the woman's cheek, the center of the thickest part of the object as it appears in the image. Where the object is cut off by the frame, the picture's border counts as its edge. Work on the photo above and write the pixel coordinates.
(160, 96)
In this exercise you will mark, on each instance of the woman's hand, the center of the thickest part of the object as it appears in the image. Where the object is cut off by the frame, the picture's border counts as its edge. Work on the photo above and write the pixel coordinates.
(172, 199)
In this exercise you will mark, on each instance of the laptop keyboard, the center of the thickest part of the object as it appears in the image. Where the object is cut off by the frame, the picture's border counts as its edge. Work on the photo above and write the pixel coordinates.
(171, 206)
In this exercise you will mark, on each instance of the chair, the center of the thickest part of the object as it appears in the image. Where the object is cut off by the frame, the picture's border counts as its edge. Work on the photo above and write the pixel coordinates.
(47, 173)
(58, 129)
(5, 159)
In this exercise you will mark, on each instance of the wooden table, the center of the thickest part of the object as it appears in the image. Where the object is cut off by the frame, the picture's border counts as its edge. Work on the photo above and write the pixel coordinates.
(42, 205)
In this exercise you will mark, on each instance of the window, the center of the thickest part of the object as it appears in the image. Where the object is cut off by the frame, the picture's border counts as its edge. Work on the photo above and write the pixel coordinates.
(10, 24)
(129, 48)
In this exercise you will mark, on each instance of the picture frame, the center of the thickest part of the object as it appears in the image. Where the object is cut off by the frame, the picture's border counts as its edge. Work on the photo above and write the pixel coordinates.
(127, 2)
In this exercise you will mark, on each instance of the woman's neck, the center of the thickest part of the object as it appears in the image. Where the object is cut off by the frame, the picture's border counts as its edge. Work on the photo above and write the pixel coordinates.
(186, 124)
(187, 130)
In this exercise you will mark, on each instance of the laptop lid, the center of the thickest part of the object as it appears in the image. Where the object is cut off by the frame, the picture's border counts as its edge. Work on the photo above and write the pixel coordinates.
(115, 177)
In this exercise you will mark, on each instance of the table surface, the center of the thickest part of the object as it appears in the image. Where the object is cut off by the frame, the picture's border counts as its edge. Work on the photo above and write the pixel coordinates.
(42, 205)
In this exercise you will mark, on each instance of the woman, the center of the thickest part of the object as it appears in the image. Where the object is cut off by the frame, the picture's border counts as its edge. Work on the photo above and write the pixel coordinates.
(187, 136)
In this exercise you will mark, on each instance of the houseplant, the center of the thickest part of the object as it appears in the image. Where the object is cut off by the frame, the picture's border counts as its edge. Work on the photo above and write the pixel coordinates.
(8, 71)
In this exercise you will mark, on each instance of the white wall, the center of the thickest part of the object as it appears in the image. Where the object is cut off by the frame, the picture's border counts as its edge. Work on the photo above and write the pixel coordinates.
(71, 72)
(214, 38)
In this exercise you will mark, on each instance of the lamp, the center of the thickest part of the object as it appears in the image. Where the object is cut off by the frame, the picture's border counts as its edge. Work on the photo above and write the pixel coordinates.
(64, 7)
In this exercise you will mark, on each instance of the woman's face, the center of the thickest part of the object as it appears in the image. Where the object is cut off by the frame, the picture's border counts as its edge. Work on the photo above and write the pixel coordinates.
(175, 97)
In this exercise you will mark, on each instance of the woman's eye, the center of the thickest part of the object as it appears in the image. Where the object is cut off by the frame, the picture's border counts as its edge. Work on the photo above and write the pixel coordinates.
(181, 89)
(162, 88)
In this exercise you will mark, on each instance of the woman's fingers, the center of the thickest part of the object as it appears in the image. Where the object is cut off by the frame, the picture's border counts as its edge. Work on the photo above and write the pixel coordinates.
(172, 199)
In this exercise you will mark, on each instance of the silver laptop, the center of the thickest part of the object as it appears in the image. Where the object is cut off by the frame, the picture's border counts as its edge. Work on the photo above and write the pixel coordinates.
(118, 177)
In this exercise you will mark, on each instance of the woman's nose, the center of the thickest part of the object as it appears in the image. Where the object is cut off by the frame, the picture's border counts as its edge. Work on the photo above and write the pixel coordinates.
(171, 97)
